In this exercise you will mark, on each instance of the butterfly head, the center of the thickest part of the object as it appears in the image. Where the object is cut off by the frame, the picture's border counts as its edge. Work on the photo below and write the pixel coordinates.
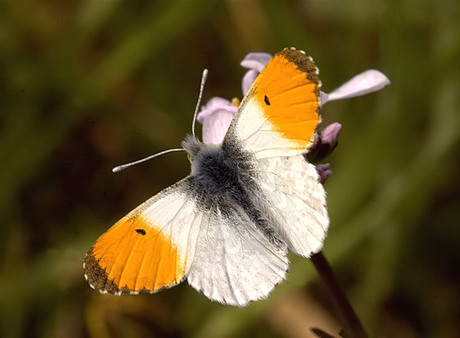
(192, 146)
(197, 151)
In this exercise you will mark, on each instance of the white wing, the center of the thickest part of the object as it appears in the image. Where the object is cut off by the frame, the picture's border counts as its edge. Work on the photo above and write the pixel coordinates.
(291, 193)
(234, 262)
(150, 248)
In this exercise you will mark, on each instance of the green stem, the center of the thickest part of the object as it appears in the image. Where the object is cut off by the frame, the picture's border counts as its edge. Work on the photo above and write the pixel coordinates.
(351, 320)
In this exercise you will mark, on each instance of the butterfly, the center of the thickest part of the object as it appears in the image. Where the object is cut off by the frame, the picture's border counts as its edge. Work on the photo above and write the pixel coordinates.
(228, 226)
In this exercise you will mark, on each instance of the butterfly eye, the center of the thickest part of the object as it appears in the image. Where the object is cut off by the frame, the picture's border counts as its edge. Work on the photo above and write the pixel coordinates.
(141, 232)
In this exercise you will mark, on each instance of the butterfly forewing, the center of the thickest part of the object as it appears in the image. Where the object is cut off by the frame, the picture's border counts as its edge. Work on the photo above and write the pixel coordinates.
(150, 248)
(280, 112)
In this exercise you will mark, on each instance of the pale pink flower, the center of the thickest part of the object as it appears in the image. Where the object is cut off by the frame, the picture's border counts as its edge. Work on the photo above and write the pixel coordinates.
(325, 143)
(324, 171)
(255, 62)
(215, 117)
(364, 83)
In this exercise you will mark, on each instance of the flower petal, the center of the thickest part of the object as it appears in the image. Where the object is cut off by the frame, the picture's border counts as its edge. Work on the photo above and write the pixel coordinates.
(215, 126)
(256, 61)
(215, 103)
(325, 143)
(248, 79)
(330, 134)
(324, 171)
(364, 83)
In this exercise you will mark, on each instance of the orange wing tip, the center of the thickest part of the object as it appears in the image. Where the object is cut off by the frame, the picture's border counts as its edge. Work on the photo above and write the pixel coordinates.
(97, 277)
(98, 280)
(287, 95)
(303, 62)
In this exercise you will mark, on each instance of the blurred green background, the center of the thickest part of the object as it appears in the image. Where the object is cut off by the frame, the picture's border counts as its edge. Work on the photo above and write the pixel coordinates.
(88, 85)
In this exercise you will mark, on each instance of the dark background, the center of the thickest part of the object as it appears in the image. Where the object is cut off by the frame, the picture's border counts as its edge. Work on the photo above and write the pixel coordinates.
(88, 85)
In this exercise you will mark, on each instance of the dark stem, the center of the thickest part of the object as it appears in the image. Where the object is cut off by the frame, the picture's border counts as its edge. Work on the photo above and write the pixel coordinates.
(351, 320)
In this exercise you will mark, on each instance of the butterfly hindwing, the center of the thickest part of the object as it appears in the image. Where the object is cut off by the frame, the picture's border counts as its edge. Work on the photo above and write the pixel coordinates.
(296, 201)
(235, 261)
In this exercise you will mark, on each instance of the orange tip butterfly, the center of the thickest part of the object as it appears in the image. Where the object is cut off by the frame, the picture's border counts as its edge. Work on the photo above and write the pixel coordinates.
(227, 227)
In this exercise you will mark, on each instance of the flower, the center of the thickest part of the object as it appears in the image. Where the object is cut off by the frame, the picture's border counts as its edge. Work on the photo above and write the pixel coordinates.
(217, 114)
(325, 143)
(324, 171)
(364, 83)
(215, 117)
(255, 62)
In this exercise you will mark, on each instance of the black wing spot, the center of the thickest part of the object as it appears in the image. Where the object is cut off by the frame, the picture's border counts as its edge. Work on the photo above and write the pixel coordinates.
(141, 232)
(267, 101)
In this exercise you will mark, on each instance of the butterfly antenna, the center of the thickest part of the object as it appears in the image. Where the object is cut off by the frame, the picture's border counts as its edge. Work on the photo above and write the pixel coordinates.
(130, 164)
(204, 76)
(119, 168)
